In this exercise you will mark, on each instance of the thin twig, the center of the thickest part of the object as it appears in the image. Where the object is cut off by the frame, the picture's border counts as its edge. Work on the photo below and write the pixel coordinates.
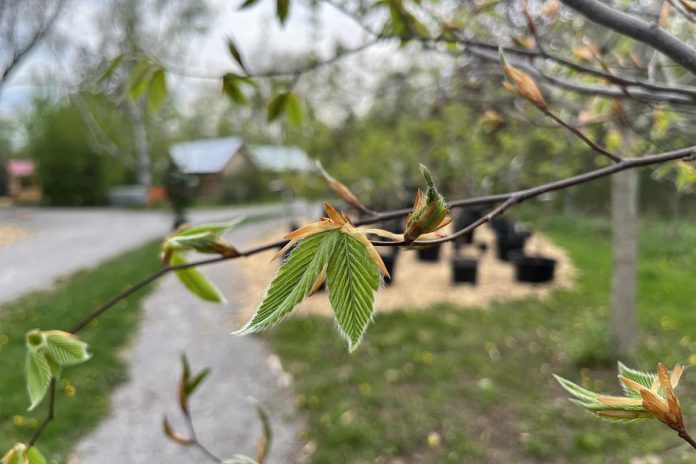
(49, 416)
(687, 438)
(579, 134)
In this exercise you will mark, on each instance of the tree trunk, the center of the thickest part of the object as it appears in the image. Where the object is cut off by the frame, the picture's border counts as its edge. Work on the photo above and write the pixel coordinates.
(144, 172)
(624, 214)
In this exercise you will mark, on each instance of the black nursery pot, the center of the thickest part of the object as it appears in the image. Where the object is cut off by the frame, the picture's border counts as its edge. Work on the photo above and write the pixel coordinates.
(464, 270)
(500, 225)
(535, 269)
(389, 262)
(508, 244)
(430, 254)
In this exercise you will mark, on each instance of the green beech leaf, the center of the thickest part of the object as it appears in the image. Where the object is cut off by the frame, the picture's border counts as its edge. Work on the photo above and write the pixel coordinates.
(38, 377)
(293, 108)
(282, 9)
(234, 51)
(644, 378)
(293, 281)
(217, 229)
(158, 90)
(195, 281)
(352, 279)
(577, 391)
(66, 349)
(277, 106)
(240, 459)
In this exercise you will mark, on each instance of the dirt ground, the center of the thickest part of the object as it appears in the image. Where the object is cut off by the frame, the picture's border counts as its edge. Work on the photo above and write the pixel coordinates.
(418, 284)
(11, 234)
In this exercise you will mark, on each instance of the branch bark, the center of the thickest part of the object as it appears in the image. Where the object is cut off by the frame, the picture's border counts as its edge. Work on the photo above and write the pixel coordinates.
(649, 34)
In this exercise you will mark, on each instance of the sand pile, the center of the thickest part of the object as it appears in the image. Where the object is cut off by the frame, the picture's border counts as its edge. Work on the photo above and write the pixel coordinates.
(418, 284)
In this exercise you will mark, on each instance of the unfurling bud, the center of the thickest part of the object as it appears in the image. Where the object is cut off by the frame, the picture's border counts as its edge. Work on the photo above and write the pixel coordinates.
(340, 188)
(429, 211)
(205, 238)
(522, 84)
(23, 454)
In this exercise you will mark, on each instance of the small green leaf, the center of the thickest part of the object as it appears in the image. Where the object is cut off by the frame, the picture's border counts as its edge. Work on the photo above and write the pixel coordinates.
(217, 229)
(240, 459)
(34, 456)
(66, 349)
(293, 281)
(158, 90)
(247, 4)
(195, 281)
(38, 377)
(234, 51)
(644, 378)
(265, 444)
(282, 9)
(276, 107)
(113, 65)
(352, 279)
(580, 393)
(140, 79)
(231, 88)
(293, 108)
(196, 381)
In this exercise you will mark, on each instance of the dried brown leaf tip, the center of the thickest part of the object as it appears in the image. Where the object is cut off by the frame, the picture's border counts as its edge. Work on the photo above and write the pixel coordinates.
(522, 84)
(340, 188)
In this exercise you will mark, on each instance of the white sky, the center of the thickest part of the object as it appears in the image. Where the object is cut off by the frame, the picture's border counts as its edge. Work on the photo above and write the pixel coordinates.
(255, 30)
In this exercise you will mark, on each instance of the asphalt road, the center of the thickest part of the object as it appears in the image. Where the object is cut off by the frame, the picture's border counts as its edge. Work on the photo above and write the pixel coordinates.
(62, 241)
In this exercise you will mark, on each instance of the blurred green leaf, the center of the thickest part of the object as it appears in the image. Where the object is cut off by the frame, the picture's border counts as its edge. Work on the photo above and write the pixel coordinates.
(158, 90)
(282, 9)
(293, 109)
(234, 51)
(231, 88)
(140, 78)
(111, 68)
(276, 107)
(195, 281)
(247, 4)
(34, 456)
(194, 383)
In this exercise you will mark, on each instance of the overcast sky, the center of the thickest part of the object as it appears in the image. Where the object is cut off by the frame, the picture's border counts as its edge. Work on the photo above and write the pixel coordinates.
(255, 30)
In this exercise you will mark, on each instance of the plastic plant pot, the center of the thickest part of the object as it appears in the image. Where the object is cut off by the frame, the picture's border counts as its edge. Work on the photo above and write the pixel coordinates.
(500, 226)
(430, 254)
(390, 263)
(508, 244)
(534, 269)
(464, 270)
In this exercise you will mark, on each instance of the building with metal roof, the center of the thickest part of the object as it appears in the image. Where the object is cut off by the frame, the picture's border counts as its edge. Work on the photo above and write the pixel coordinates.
(226, 167)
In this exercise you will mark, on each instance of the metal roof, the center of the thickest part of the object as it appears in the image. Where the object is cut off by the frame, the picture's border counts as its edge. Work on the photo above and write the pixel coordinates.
(208, 156)
(279, 158)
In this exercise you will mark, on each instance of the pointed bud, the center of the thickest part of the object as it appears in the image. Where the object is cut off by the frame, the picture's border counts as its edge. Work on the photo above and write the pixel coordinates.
(340, 188)
(35, 340)
(429, 211)
(522, 84)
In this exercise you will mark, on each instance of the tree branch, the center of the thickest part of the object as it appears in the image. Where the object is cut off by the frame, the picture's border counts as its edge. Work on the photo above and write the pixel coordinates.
(649, 34)
(49, 416)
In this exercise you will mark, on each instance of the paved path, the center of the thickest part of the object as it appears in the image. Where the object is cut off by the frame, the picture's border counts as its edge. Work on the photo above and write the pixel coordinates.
(63, 241)
(176, 322)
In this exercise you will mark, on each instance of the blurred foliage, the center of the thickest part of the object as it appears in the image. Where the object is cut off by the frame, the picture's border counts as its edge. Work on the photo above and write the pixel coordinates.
(71, 172)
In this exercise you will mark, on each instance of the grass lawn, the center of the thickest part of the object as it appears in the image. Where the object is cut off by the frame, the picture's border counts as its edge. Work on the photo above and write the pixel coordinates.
(83, 392)
(464, 385)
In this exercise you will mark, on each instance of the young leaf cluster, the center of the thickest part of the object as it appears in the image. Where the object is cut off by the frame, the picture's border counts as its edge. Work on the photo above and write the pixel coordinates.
(47, 352)
(331, 251)
(205, 238)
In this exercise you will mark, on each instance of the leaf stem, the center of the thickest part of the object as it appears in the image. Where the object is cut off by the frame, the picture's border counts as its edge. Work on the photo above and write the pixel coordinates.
(687, 438)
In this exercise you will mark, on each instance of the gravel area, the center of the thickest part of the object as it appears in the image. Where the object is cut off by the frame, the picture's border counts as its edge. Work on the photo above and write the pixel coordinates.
(175, 322)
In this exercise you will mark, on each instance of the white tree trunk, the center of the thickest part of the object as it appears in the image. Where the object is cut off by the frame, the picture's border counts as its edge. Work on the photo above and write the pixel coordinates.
(144, 171)
(624, 214)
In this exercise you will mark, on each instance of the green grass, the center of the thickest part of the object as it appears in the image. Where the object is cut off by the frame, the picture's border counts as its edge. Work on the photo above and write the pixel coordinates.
(83, 392)
(482, 380)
